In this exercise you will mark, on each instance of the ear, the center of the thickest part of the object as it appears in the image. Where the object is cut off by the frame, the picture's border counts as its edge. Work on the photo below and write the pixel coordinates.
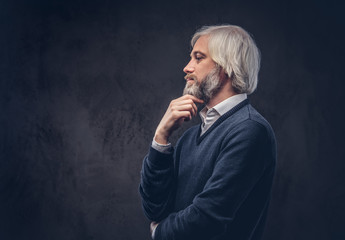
(225, 76)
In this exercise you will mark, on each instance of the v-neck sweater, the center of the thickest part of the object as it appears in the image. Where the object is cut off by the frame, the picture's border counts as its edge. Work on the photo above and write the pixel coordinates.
(214, 186)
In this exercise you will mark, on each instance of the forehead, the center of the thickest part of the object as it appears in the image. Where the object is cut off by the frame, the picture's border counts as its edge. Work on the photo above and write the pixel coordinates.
(201, 45)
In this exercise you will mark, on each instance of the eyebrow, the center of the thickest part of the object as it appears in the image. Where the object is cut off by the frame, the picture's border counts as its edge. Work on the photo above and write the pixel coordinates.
(198, 52)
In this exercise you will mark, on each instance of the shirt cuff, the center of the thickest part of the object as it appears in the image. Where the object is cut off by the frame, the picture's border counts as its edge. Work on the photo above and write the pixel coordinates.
(163, 148)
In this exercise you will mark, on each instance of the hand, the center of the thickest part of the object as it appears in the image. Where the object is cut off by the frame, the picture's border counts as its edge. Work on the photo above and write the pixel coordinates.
(153, 226)
(180, 110)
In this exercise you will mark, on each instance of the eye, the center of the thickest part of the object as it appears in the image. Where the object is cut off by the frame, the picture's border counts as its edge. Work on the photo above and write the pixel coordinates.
(198, 58)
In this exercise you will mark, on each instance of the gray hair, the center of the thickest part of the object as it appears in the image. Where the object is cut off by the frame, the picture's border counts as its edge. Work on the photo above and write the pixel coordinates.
(232, 48)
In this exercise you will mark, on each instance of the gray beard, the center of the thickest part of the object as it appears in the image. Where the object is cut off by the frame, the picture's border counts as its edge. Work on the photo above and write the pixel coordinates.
(207, 88)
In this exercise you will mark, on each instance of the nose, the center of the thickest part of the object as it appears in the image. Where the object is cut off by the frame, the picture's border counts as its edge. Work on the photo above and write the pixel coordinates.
(189, 68)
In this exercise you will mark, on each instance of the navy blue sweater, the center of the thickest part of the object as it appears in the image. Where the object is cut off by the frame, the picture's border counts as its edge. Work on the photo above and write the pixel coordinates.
(216, 186)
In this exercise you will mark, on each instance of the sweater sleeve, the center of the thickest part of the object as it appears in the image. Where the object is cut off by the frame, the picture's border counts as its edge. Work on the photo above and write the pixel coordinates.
(156, 184)
(240, 164)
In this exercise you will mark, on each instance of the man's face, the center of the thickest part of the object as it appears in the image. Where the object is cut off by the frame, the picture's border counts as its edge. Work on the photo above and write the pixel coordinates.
(202, 77)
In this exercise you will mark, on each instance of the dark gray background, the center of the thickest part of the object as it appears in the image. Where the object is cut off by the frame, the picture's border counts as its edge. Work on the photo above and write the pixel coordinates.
(84, 84)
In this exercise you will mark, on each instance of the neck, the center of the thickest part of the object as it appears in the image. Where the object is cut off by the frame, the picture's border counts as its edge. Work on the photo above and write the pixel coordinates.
(225, 92)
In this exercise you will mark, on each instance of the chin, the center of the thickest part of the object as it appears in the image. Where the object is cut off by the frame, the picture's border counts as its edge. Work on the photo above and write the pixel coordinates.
(194, 91)
(189, 89)
(190, 83)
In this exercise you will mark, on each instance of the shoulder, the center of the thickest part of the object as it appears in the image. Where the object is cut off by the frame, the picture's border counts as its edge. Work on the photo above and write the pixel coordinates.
(249, 119)
(248, 123)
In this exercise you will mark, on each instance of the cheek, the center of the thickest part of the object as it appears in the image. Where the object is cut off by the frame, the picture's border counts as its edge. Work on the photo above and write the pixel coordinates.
(202, 76)
(207, 69)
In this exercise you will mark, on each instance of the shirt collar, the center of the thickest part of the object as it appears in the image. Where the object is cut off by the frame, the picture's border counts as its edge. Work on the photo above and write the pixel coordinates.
(224, 106)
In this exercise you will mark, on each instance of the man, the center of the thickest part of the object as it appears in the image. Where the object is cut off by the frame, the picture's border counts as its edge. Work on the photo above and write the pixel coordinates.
(215, 183)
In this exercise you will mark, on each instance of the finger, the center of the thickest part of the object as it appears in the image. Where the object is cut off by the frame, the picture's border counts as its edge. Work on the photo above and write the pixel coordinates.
(186, 102)
(182, 114)
(185, 107)
(195, 108)
(195, 99)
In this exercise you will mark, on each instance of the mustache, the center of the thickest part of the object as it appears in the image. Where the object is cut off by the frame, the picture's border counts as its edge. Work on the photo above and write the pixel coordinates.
(191, 77)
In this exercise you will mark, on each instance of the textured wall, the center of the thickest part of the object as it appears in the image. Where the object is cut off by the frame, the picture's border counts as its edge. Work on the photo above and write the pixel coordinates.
(84, 84)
